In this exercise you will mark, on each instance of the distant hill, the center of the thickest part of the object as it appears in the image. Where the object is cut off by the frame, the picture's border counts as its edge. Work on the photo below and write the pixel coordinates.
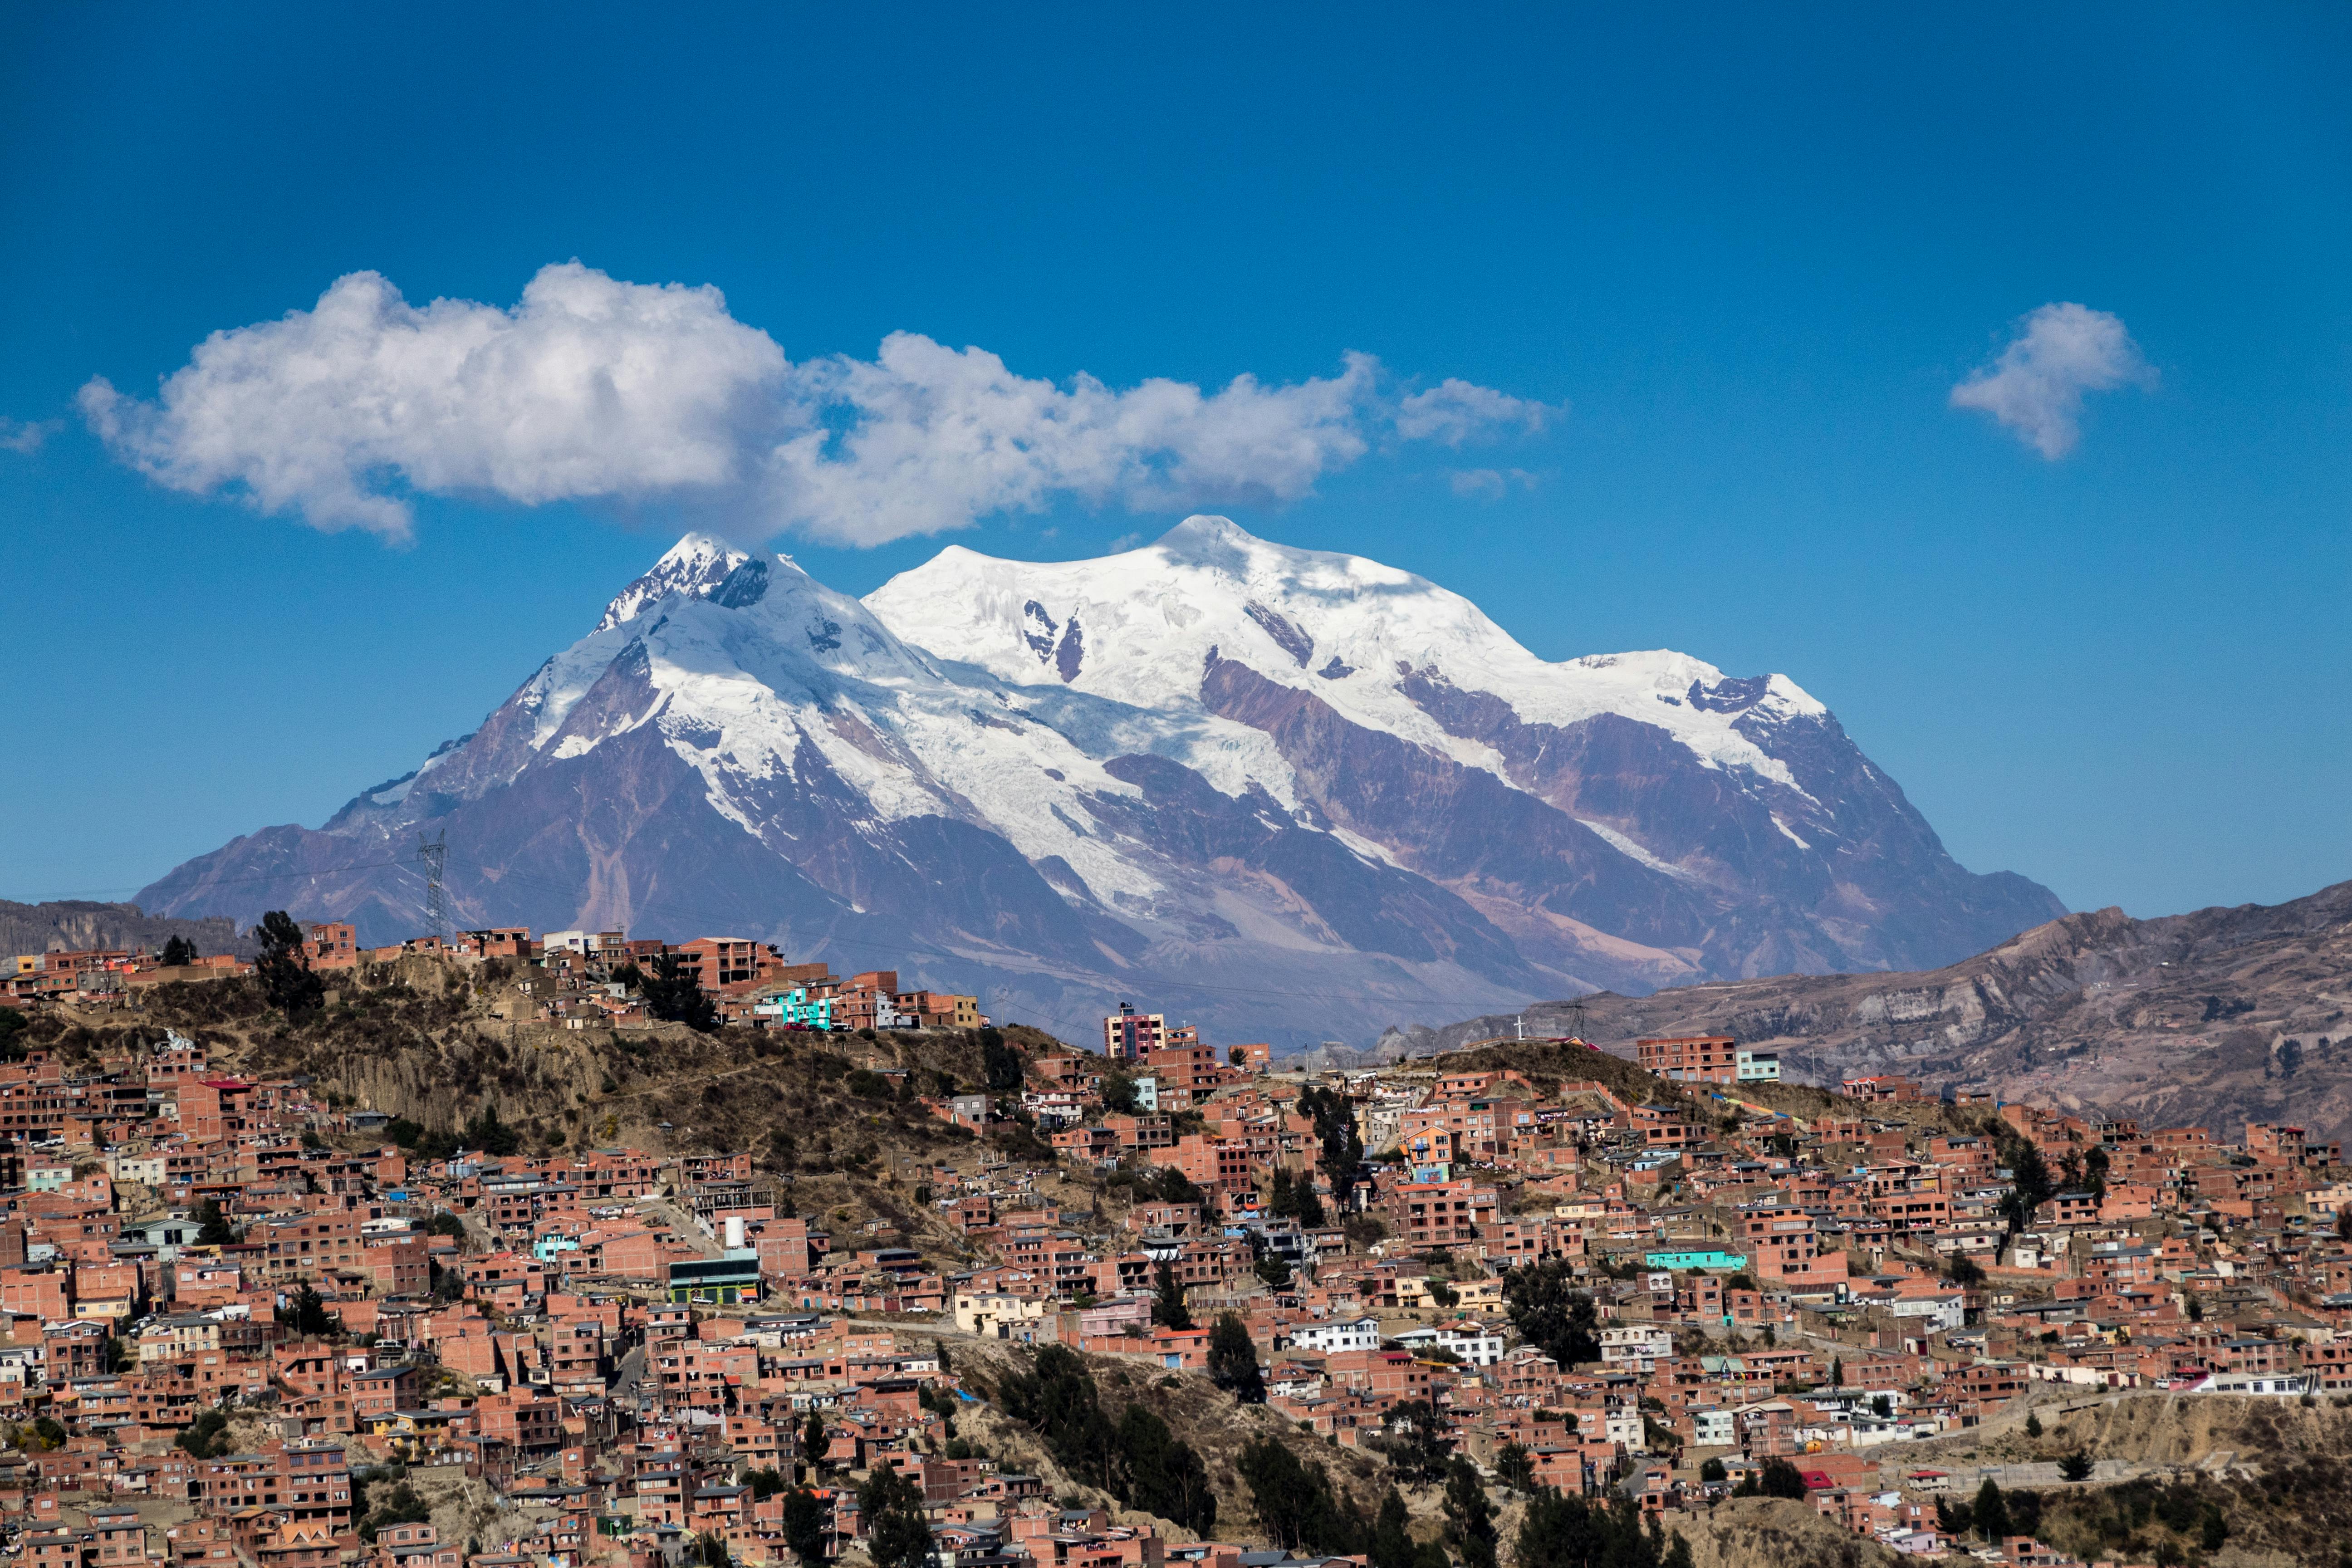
(72, 925)
(2211, 1018)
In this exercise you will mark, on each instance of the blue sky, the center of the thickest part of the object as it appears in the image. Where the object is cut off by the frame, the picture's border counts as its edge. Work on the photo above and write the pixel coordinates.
(1743, 258)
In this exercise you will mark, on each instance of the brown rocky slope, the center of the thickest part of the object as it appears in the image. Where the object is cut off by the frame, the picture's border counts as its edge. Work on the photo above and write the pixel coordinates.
(2215, 1018)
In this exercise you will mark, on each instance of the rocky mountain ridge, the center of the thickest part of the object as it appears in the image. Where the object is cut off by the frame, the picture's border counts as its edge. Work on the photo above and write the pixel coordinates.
(71, 925)
(2215, 1017)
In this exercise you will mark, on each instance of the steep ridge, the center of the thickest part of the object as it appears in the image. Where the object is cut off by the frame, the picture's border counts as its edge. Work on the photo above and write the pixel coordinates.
(2211, 1018)
(79, 925)
(1293, 794)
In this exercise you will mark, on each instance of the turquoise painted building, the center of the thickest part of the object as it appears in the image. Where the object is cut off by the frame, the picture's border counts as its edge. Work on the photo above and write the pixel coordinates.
(794, 1008)
(1713, 1261)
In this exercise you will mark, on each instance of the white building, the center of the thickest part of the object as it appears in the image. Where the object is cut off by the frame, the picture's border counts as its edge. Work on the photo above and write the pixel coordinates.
(1327, 1339)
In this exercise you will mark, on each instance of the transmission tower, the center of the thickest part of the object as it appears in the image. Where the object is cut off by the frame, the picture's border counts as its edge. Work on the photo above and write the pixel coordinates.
(434, 853)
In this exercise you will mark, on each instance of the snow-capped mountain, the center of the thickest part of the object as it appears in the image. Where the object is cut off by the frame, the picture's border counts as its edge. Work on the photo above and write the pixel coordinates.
(1283, 792)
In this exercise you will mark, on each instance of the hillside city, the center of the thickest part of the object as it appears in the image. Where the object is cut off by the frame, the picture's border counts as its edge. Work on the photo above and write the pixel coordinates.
(1160, 1288)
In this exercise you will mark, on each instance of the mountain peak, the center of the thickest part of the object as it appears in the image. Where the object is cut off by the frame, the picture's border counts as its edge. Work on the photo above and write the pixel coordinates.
(697, 563)
(1206, 528)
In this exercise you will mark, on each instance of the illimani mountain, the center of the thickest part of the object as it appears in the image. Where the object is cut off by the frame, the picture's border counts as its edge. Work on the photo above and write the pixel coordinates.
(1284, 793)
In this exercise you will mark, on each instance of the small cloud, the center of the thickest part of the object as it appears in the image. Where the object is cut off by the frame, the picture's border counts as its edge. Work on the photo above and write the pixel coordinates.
(1453, 411)
(1125, 542)
(19, 436)
(2060, 351)
(1488, 484)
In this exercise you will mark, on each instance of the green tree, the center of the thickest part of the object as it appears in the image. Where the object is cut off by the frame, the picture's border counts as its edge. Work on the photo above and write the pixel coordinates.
(1152, 1471)
(284, 973)
(177, 950)
(2095, 1171)
(1295, 1500)
(1392, 1545)
(2214, 1529)
(1233, 1360)
(807, 1522)
(814, 1440)
(1562, 1531)
(311, 1315)
(1414, 1438)
(1837, 1372)
(1469, 1517)
(1517, 1467)
(1334, 1131)
(1549, 1314)
(213, 1228)
(1003, 1067)
(764, 1483)
(1279, 1201)
(205, 1438)
(402, 1505)
(1167, 1299)
(1171, 1186)
(2033, 1424)
(1119, 1093)
(1991, 1511)
(1780, 1478)
(12, 1023)
(2075, 1466)
(672, 994)
(1056, 1399)
(1712, 1470)
(898, 1531)
(490, 1135)
(2030, 1185)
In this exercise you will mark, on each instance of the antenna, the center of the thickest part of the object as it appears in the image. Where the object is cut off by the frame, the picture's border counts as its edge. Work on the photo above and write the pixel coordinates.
(434, 853)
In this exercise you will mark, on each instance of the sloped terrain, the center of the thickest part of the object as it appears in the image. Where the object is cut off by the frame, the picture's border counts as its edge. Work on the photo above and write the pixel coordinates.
(1775, 1532)
(432, 1044)
(2213, 1018)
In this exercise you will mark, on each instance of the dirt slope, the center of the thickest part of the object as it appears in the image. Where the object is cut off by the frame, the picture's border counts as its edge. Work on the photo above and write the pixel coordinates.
(1774, 1533)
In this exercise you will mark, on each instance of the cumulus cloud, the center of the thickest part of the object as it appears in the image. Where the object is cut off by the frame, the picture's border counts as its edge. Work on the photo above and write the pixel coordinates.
(21, 436)
(592, 387)
(2060, 351)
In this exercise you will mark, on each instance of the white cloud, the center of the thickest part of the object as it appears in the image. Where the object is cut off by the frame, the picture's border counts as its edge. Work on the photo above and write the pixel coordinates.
(2036, 386)
(1455, 411)
(592, 387)
(25, 437)
(588, 387)
(1488, 484)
